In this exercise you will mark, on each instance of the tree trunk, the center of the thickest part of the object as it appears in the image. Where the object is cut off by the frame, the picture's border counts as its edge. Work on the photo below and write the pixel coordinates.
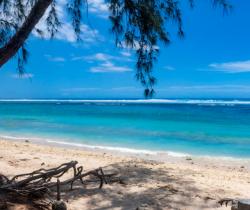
(12, 46)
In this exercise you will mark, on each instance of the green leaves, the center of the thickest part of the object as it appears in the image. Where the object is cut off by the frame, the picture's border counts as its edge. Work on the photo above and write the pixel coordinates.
(22, 58)
(137, 24)
(75, 11)
(140, 24)
(52, 20)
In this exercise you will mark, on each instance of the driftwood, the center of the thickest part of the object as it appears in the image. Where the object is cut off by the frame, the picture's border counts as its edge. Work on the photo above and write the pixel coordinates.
(227, 201)
(36, 188)
(58, 204)
(243, 204)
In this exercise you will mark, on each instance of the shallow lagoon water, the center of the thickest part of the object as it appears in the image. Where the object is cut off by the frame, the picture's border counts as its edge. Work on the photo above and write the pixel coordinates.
(196, 127)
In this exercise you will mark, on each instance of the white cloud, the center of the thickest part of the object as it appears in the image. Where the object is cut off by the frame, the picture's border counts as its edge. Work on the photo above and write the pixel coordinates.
(103, 57)
(124, 46)
(99, 8)
(136, 46)
(58, 59)
(95, 57)
(66, 31)
(95, 89)
(127, 88)
(23, 76)
(232, 67)
(207, 88)
(169, 68)
(109, 67)
(105, 62)
(99, 57)
(80, 89)
(126, 53)
(55, 59)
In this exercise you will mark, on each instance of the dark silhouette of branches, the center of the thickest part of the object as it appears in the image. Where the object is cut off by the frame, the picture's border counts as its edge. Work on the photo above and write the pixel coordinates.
(36, 188)
(136, 24)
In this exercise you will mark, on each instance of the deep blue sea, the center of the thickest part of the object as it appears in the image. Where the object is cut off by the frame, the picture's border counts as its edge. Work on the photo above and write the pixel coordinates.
(196, 127)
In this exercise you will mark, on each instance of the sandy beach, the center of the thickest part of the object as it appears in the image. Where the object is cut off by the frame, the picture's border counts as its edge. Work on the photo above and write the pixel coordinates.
(175, 183)
(124, 105)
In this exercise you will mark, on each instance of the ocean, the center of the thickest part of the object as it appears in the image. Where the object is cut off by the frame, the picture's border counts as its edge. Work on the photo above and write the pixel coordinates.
(218, 128)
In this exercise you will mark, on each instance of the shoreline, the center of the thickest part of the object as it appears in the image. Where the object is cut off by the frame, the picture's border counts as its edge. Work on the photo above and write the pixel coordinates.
(158, 156)
(123, 150)
(175, 183)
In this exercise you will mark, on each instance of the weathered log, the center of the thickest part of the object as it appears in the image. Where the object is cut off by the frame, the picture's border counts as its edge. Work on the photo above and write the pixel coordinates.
(227, 201)
(37, 187)
(43, 174)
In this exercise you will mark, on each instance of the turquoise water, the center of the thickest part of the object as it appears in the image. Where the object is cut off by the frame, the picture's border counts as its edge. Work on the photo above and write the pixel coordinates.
(194, 127)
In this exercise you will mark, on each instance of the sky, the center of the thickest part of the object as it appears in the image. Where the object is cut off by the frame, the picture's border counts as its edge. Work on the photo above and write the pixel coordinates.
(212, 61)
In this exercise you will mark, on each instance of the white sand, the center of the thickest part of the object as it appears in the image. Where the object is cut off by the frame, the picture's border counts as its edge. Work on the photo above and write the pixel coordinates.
(176, 183)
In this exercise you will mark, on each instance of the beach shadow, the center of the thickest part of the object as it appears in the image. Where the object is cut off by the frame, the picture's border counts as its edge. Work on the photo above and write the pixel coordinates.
(143, 188)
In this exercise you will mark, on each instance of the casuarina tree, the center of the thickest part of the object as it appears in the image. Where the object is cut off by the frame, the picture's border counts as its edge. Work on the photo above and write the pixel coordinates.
(137, 24)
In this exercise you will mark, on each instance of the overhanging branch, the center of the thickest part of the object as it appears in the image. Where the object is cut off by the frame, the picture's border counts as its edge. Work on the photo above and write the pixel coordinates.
(13, 45)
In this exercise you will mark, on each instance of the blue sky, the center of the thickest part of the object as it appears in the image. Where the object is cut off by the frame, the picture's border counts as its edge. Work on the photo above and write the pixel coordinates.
(212, 61)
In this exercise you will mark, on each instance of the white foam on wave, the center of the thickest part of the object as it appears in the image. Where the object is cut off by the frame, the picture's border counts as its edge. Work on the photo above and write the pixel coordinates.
(139, 101)
(12, 138)
(177, 154)
(140, 151)
(99, 147)
(143, 152)
(121, 149)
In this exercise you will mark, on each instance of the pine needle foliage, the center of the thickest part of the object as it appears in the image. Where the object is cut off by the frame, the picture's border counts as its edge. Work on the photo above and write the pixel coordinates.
(137, 24)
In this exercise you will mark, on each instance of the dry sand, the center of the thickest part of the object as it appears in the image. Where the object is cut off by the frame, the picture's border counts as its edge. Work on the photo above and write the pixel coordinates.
(175, 183)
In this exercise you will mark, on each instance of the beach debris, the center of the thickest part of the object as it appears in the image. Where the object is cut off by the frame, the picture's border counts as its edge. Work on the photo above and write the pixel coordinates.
(38, 188)
(3, 204)
(59, 204)
(169, 188)
(208, 198)
(226, 201)
(242, 204)
(24, 159)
